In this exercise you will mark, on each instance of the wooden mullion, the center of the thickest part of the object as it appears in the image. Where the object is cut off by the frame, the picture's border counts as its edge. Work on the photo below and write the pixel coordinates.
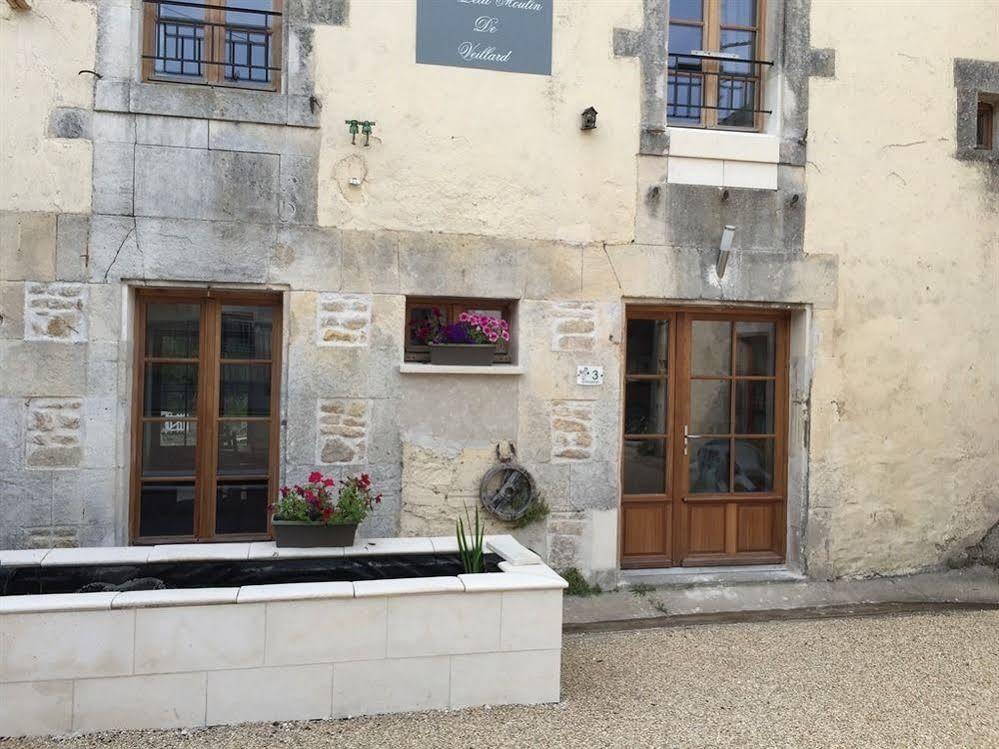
(681, 468)
(213, 334)
(149, 34)
(138, 407)
(712, 43)
(215, 42)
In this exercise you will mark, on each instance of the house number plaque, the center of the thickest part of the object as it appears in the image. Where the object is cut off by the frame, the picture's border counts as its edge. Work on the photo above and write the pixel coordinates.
(514, 36)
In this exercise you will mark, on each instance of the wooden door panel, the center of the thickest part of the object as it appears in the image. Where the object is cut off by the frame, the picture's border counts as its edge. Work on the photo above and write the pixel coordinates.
(756, 527)
(646, 529)
(706, 528)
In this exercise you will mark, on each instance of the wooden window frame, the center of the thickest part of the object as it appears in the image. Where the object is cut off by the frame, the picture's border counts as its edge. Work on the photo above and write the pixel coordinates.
(209, 361)
(985, 126)
(214, 64)
(451, 307)
(711, 28)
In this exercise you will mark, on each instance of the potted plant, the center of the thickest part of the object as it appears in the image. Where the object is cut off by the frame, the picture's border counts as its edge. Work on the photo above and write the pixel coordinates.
(315, 514)
(469, 341)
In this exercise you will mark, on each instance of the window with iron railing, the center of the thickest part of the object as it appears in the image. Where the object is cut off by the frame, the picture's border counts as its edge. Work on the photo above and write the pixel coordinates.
(221, 43)
(716, 73)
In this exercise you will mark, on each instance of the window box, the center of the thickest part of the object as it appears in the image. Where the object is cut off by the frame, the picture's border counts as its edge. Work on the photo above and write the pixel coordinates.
(462, 354)
(448, 310)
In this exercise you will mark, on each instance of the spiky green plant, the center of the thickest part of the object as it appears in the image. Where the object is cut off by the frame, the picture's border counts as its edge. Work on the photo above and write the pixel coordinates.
(471, 549)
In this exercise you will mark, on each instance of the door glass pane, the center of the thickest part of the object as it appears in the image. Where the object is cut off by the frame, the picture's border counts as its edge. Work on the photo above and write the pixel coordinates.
(168, 448)
(688, 10)
(708, 465)
(644, 466)
(166, 509)
(245, 390)
(243, 447)
(648, 346)
(241, 507)
(171, 390)
(711, 351)
(172, 330)
(754, 465)
(754, 407)
(645, 407)
(709, 407)
(755, 347)
(738, 12)
(246, 332)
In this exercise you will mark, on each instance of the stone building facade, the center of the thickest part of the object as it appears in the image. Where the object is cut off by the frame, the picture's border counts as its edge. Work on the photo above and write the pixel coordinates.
(865, 224)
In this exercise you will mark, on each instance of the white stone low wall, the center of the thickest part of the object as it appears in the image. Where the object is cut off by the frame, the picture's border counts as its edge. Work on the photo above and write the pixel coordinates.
(181, 658)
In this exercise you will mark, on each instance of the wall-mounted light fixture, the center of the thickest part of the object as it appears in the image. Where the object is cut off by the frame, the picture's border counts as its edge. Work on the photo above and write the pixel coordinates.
(588, 119)
(724, 249)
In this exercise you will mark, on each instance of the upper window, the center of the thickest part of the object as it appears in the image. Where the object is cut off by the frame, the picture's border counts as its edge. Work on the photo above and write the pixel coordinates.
(219, 42)
(424, 313)
(715, 64)
(984, 125)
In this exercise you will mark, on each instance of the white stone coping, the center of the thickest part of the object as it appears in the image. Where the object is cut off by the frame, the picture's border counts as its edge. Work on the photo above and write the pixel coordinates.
(724, 144)
(522, 569)
(456, 369)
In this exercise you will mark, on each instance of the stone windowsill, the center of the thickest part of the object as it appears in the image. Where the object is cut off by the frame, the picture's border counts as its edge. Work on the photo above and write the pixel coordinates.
(722, 158)
(449, 369)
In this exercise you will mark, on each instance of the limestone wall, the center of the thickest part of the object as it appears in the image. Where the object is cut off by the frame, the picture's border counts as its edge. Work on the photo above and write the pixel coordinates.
(905, 406)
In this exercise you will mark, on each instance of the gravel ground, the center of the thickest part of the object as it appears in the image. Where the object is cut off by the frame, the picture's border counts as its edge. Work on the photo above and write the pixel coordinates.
(903, 681)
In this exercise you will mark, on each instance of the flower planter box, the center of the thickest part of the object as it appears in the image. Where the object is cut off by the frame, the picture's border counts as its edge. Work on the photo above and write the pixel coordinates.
(292, 534)
(82, 662)
(463, 354)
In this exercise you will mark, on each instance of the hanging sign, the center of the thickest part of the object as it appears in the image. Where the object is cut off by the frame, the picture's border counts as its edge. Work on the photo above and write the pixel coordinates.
(514, 36)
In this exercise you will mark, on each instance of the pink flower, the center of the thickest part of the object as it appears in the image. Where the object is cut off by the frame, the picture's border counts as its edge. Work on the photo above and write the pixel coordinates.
(315, 476)
(492, 336)
(505, 335)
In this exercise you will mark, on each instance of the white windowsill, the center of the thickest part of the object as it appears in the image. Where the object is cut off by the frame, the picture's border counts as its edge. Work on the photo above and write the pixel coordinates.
(449, 369)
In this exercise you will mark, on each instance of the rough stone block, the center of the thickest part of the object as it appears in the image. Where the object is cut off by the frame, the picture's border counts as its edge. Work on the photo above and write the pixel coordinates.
(180, 132)
(299, 189)
(183, 101)
(343, 431)
(42, 368)
(114, 252)
(259, 138)
(114, 57)
(12, 310)
(114, 166)
(203, 250)
(72, 237)
(55, 312)
(114, 127)
(28, 241)
(54, 433)
(573, 326)
(571, 430)
(328, 12)
(371, 261)
(302, 111)
(212, 185)
(111, 95)
(459, 265)
(249, 106)
(307, 258)
(594, 485)
(343, 319)
(25, 499)
(553, 270)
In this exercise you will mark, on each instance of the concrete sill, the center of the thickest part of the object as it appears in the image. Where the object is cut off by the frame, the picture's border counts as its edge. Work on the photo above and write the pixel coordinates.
(447, 369)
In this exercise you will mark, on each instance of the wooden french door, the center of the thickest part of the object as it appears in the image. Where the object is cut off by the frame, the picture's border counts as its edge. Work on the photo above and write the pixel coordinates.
(704, 457)
(205, 415)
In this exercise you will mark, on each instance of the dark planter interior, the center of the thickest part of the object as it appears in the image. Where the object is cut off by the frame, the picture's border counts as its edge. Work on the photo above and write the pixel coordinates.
(17, 581)
(462, 354)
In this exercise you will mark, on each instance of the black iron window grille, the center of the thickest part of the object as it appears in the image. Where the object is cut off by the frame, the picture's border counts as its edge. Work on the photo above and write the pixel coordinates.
(733, 81)
(225, 42)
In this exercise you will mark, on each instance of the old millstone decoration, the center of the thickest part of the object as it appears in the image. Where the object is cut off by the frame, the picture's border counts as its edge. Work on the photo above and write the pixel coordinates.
(507, 490)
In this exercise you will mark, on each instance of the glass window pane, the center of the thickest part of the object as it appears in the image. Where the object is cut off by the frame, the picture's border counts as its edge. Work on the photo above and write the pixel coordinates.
(709, 407)
(755, 348)
(172, 330)
(708, 465)
(168, 448)
(417, 317)
(711, 352)
(644, 466)
(243, 447)
(648, 346)
(741, 43)
(684, 97)
(176, 11)
(689, 10)
(166, 510)
(645, 407)
(245, 390)
(738, 12)
(241, 16)
(241, 507)
(683, 39)
(179, 40)
(171, 390)
(736, 102)
(754, 465)
(754, 407)
(246, 332)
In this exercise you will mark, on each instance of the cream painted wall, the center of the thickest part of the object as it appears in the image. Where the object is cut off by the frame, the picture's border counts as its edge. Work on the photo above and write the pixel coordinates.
(41, 51)
(905, 429)
(474, 151)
